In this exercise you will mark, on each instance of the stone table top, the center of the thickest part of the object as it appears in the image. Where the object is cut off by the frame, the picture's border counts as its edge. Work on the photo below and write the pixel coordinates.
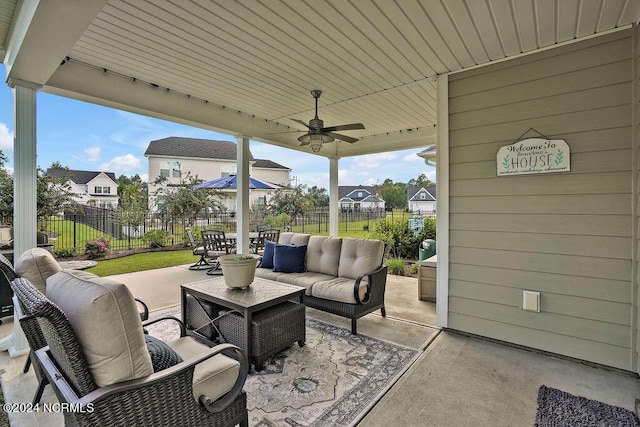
(77, 265)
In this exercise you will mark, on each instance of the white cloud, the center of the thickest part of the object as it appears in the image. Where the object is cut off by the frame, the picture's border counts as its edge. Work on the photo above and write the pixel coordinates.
(122, 164)
(6, 139)
(370, 162)
(92, 154)
(413, 158)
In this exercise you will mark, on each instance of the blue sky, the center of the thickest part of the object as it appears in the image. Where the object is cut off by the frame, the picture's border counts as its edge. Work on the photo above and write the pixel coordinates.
(86, 136)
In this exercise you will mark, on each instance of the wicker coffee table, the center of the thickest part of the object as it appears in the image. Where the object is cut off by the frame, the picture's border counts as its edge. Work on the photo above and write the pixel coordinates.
(263, 319)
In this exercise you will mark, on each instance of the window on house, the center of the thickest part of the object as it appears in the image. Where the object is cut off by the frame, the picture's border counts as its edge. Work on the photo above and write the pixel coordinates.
(97, 190)
(359, 193)
(106, 190)
(262, 200)
(423, 196)
(176, 173)
(164, 173)
(224, 174)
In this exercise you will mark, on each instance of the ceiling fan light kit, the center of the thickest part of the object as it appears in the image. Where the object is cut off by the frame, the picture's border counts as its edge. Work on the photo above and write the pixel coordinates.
(318, 134)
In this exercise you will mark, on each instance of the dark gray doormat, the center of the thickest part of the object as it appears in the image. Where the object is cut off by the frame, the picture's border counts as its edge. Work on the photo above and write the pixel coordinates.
(557, 408)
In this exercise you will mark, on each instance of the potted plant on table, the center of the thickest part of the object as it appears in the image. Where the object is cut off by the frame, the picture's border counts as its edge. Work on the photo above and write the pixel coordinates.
(239, 270)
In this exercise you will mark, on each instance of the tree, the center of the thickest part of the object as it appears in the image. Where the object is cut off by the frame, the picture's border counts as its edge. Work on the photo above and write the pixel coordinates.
(292, 201)
(319, 196)
(54, 194)
(181, 201)
(421, 181)
(394, 194)
(6, 192)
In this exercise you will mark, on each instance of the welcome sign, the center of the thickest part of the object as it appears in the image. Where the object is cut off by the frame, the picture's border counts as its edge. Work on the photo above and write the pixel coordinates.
(533, 156)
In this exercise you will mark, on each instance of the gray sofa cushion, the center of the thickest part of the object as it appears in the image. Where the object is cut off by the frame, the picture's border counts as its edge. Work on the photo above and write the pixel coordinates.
(339, 289)
(37, 265)
(306, 279)
(289, 238)
(268, 273)
(323, 254)
(360, 256)
(105, 318)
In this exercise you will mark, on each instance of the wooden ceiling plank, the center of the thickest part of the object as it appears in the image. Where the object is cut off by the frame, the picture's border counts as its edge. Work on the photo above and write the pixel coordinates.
(523, 12)
(466, 28)
(237, 64)
(501, 11)
(568, 17)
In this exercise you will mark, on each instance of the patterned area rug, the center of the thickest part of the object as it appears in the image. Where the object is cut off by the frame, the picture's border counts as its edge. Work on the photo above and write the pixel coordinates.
(557, 408)
(332, 381)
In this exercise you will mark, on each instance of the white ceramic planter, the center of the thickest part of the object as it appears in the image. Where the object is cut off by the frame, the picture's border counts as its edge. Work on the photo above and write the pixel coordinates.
(239, 270)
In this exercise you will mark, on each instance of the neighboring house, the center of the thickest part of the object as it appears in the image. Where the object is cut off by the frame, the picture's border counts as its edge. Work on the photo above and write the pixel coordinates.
(359, 198)
(175, 157)
(422, 199)
(98, 189)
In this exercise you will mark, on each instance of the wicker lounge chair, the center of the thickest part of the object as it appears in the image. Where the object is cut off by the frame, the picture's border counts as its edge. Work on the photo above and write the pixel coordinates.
(163, 398)
(41, 264)
(6, 275)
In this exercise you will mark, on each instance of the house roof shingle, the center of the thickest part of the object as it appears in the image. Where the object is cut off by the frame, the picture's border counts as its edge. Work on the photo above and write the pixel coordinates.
(78, 176)
(413, 190)
(175, 146)
(268, 164)
(344, 190)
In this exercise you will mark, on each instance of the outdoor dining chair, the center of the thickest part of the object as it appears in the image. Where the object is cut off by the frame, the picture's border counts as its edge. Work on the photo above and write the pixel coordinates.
(270, 234)
(215, 244)
(198, 250)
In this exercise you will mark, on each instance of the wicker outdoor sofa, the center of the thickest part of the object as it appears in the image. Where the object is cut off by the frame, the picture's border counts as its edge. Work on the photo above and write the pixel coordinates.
(343, 276)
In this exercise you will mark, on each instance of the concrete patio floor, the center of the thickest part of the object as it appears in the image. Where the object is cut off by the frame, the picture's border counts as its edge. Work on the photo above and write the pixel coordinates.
(458, 380)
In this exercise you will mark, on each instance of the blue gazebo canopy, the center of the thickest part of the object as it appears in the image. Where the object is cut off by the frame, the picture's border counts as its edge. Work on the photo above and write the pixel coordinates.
(231, 182)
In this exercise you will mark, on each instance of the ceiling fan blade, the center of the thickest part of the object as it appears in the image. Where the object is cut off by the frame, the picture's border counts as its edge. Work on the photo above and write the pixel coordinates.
(352, 126)
(344, 138)
(301, 122)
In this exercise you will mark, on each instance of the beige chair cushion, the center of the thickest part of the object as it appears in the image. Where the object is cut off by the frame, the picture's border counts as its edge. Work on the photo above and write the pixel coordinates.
(323, 254)
(360, 256)
(305, 280)
(5, 235)
(105, 318)
(215, 376)
(37, 265)
(339, 289)
(289, 238)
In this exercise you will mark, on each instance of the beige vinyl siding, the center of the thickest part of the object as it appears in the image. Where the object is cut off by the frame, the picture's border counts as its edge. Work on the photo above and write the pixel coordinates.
(636, 201)
(568, 235)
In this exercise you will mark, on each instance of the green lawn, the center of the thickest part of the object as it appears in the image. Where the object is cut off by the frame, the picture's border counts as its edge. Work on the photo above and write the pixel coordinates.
(144, 261)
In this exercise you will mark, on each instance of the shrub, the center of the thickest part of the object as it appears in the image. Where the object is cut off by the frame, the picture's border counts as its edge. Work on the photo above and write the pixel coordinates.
(65, 253)
(157, 238)
(277, 221)
(97, 247)
(395, 266)
(400, 240)
(414, 268)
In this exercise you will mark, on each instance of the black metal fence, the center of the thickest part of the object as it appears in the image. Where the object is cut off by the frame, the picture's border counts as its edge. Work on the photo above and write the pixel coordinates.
(74, 229)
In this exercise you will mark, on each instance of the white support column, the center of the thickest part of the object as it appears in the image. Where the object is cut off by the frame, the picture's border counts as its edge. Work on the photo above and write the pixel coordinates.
(242, 195)
(333, 196)
(24, 191)
(442, 196)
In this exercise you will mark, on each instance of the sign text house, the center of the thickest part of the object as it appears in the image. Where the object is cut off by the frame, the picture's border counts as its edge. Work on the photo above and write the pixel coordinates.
(533, 156)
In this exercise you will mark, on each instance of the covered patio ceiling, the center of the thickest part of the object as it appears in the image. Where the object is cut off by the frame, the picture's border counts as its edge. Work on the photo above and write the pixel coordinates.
(246, 67)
